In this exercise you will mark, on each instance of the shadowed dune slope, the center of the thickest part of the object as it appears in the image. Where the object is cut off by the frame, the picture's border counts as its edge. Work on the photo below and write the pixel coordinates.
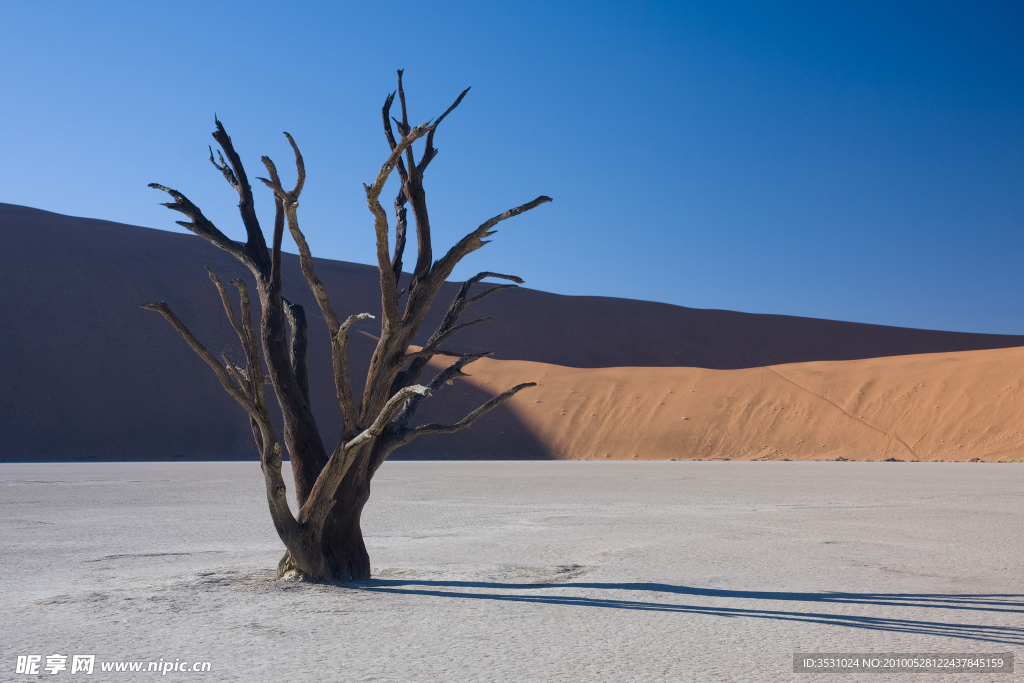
(950, 406)
(85, 373)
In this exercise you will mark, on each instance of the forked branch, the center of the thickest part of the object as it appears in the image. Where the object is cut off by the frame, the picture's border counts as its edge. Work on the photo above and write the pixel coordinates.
(448, 327)
(253, 252)
(202, 226)
(388, 279)
(429, 151)
(245, 385)
(338, 331)
(404, 437)
(234, 390)
(474, 240)
(249, 378)
(462, 300)
(252, 351)
(228, 309)
(321, 498)
(442, 378)
(256, 245)
(411, 174)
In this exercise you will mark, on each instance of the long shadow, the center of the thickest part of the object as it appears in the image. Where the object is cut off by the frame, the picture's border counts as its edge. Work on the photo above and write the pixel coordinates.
(1011, 603)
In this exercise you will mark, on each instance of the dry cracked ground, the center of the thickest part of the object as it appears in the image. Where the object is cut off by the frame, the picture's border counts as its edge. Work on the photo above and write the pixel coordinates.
(520, 571)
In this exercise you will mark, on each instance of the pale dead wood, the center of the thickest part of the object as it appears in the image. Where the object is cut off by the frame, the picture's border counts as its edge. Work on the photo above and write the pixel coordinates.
(465, 423)
(445, 376)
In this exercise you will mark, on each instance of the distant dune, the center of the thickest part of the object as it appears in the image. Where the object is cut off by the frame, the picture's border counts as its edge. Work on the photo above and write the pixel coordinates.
(86, 374)
(948, 406)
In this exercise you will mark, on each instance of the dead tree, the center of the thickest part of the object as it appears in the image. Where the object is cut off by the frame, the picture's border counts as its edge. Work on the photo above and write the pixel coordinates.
(324, 540)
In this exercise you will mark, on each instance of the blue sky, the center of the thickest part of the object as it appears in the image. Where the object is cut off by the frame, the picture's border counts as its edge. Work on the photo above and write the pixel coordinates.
(861, 162)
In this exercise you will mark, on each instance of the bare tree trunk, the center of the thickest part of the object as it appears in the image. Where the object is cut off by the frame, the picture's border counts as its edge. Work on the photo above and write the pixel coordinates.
(301, 435)
(346, 552)
(324, 541)
(340, 550)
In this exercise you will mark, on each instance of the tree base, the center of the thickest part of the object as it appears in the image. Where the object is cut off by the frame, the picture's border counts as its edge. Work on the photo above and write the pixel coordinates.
(341, 557)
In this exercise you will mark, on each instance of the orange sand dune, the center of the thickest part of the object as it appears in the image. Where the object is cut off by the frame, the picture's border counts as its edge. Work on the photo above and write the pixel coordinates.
(945, 406)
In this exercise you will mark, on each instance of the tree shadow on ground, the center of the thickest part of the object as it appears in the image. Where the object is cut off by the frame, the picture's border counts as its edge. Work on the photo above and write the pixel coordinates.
(1004, 603)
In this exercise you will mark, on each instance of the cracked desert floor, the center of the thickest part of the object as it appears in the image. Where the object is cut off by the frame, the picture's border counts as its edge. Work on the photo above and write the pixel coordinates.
(521, 571)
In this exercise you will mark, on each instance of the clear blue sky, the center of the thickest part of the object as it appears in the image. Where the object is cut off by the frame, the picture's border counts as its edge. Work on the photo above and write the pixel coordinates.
(859, 162)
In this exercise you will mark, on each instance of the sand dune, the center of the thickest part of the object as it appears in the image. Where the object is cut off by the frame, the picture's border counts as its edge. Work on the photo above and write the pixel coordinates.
(951, 406)
(86, 374)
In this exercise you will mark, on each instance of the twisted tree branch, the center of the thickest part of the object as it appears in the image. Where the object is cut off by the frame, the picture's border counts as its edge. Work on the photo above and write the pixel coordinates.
(442, 378)
(448, 328)
(235, 390)
(388, 281)
(401, 218)
(202, 226)
(343, 377)
(228, 310)
(252, 351)
(256, 245)
(429, 152)
(474, 240)
(404, 437)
